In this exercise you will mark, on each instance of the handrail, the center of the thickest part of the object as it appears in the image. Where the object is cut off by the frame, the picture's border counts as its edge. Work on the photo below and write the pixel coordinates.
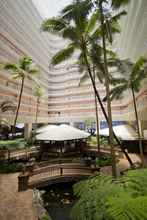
(59, 166)
(60, 161)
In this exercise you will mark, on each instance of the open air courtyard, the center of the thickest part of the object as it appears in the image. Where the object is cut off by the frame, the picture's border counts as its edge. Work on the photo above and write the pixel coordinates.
(73, 102)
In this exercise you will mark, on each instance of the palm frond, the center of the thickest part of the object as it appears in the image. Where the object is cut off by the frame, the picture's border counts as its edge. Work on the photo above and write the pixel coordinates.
(92, 21)
(70, 33)
(117, 16)
(64, 54)
(7, 106)
(96, 34)
(135, 181)
(119, 3)
(117, 81)
(53, 25)
(11, 66)
(25, 62)
(83, 77)
(38, 91)
(4, 123)
(127, 208)
(115, 27)
(78, 9)
(93, 195)
(33, 71)
(100, 75)
(138, 67)
(17, 75)
(116, 92)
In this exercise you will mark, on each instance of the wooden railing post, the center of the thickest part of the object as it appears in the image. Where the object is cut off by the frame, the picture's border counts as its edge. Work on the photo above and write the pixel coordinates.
(61, 171)
(23, 179)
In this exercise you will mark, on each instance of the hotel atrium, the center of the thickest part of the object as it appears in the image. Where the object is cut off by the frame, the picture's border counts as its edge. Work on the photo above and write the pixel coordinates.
(65, 101)
(73, 109)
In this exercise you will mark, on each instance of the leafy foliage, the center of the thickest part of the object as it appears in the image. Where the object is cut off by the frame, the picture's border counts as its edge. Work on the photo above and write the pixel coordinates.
(23, 69)
(103, 161)
(126, 207)
(7, 106)
(133, 75)
(10, 167)
(102, 198)
(38, 91)
(12, 144)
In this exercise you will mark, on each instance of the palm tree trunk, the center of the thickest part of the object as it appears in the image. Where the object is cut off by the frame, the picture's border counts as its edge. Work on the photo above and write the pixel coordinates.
(18, 107)
(102, 107)
(114, 168)
(138, 129)
(97, 117)
(37, 108)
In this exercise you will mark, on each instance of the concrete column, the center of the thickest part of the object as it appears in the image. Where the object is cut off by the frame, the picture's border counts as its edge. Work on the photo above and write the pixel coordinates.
(71, 123)
(27, 130)
(143, 127)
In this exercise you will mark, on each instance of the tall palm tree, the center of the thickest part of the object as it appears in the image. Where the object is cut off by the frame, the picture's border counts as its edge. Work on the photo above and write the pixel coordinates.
(22, 70)
(96, 116)
(138, 72)
(106, 32)
(75, 25)
(38, 93)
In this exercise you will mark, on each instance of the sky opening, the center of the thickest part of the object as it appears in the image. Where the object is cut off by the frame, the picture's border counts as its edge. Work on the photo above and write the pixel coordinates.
(50, 8)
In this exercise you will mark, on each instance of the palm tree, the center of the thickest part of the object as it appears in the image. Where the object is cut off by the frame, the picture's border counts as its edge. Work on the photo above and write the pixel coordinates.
(38, 93)
(7, 106)
(24, 69)
(4, 124)
(74, 25)
(97, 117)
(138, 72)
(106, 32)
(4, 107)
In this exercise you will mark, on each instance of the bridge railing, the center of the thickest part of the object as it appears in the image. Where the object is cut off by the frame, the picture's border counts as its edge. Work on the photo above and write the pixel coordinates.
(52, 171)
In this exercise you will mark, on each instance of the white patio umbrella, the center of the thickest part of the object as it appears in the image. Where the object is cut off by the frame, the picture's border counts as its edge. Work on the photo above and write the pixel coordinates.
(61, 133)
(125, 132)
(45, 128)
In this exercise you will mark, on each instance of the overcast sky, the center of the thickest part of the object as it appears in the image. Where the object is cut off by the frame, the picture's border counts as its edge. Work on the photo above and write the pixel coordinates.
(50, 8)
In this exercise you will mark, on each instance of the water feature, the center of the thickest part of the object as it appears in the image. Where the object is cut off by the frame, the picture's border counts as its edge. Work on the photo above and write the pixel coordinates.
(58, 200)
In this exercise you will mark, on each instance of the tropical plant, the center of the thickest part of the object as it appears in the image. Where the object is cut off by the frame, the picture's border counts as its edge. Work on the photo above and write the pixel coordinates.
(22, 70)
(102, 198)
(132, 81)
(38, 92)
(76, 24)
(4, 124)
(7, 106)
(10, 167)
(109, 25)
(96, 117)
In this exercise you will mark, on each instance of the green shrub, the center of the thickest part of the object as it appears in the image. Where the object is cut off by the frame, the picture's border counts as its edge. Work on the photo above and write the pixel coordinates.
(103, 198)
(103, 161)
(10, 167)
(46, 218)
(12, 144)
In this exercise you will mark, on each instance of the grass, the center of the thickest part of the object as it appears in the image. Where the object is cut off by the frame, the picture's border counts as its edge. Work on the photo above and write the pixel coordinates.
(19, 143)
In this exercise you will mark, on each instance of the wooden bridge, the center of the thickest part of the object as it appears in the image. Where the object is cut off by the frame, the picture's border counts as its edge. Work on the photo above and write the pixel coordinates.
(55, 173)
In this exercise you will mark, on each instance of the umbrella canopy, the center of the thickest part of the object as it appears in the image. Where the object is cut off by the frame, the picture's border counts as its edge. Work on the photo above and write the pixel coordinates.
(47, 128)
(125, 132)
(60, 133)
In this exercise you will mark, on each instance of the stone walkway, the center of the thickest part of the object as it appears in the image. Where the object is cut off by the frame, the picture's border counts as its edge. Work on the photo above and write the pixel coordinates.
(15, 205)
